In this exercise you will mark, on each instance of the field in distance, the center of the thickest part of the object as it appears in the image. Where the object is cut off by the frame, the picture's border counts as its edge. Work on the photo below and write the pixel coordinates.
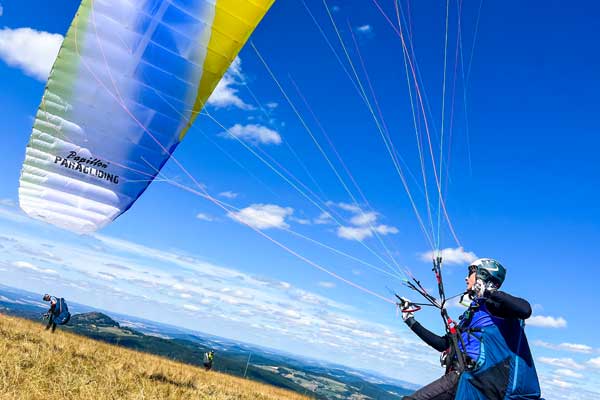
(36, 364)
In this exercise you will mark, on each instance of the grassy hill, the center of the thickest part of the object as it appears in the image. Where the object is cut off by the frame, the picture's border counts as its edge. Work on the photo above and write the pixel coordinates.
(35, 364)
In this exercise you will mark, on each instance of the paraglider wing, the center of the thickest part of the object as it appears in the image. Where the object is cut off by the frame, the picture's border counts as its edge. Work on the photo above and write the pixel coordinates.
(129, 81)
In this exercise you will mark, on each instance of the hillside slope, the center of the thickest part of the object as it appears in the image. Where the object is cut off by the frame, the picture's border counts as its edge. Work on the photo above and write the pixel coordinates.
(35, 364)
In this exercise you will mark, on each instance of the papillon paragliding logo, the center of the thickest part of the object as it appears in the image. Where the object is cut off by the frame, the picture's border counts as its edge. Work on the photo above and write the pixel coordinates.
(87, 165)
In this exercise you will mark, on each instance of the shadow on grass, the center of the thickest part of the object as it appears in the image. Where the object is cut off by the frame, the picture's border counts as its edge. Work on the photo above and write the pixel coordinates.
(159, 377)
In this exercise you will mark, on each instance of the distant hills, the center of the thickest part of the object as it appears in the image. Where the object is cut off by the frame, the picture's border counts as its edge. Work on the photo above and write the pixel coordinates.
(264, 365)
(37, 364)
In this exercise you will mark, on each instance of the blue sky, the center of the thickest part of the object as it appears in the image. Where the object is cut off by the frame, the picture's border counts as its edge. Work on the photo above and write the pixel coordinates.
(521, 184)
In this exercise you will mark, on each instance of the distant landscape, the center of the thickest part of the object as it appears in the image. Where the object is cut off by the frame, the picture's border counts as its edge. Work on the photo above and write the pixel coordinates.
(40, 365)
(303, 376)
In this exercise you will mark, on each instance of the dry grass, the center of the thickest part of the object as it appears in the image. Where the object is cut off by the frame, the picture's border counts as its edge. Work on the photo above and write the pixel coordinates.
(35, 364)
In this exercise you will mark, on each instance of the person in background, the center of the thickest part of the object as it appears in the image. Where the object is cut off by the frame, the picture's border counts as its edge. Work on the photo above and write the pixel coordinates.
(58, 313)
(208, 360)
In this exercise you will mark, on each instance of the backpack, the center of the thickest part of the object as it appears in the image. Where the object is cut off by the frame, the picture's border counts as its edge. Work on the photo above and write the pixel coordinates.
(61, 312)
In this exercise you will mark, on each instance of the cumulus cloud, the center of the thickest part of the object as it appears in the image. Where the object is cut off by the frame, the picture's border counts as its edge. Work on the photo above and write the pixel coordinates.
(204, 217)
(354, 233)
(456, 256)
(253, 133)
(263, 216)
(547, 321)
(360, 233)
(30, 50)
(229, 194)
(594, 362)
(568, 363)
(572, 347)
(366, 218)
(226, 93)
(363, 224)
(386, 229)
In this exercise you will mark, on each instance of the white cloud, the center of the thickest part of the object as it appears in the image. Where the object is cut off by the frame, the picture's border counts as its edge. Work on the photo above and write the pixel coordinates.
(360, 233)
(354, 233)
(363, 223)
(326, 284)
(547, 321)
(32, 51)
(23, 265)
(225, 94)
(324, 219)
(29, 266)
(456, 256)
(229, 194)
(204, 217)
(554, 388)
(569, 373)
(263, 216)
(386, 230)
(364, 218)
(256, 134)
(353, 208)
(572, 347)
(594, 362)
(191, 307)
(365, 28)
(272, 105)
(568, 363)
(7, 202)
(560, 383)
(301, 221)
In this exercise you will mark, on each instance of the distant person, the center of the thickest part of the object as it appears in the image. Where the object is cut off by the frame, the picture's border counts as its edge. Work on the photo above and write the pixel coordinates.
(498, 361)
(58, 313)
(209, 356)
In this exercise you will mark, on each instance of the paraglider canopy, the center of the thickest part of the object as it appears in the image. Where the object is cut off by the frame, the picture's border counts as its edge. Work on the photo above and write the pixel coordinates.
(128, 83)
